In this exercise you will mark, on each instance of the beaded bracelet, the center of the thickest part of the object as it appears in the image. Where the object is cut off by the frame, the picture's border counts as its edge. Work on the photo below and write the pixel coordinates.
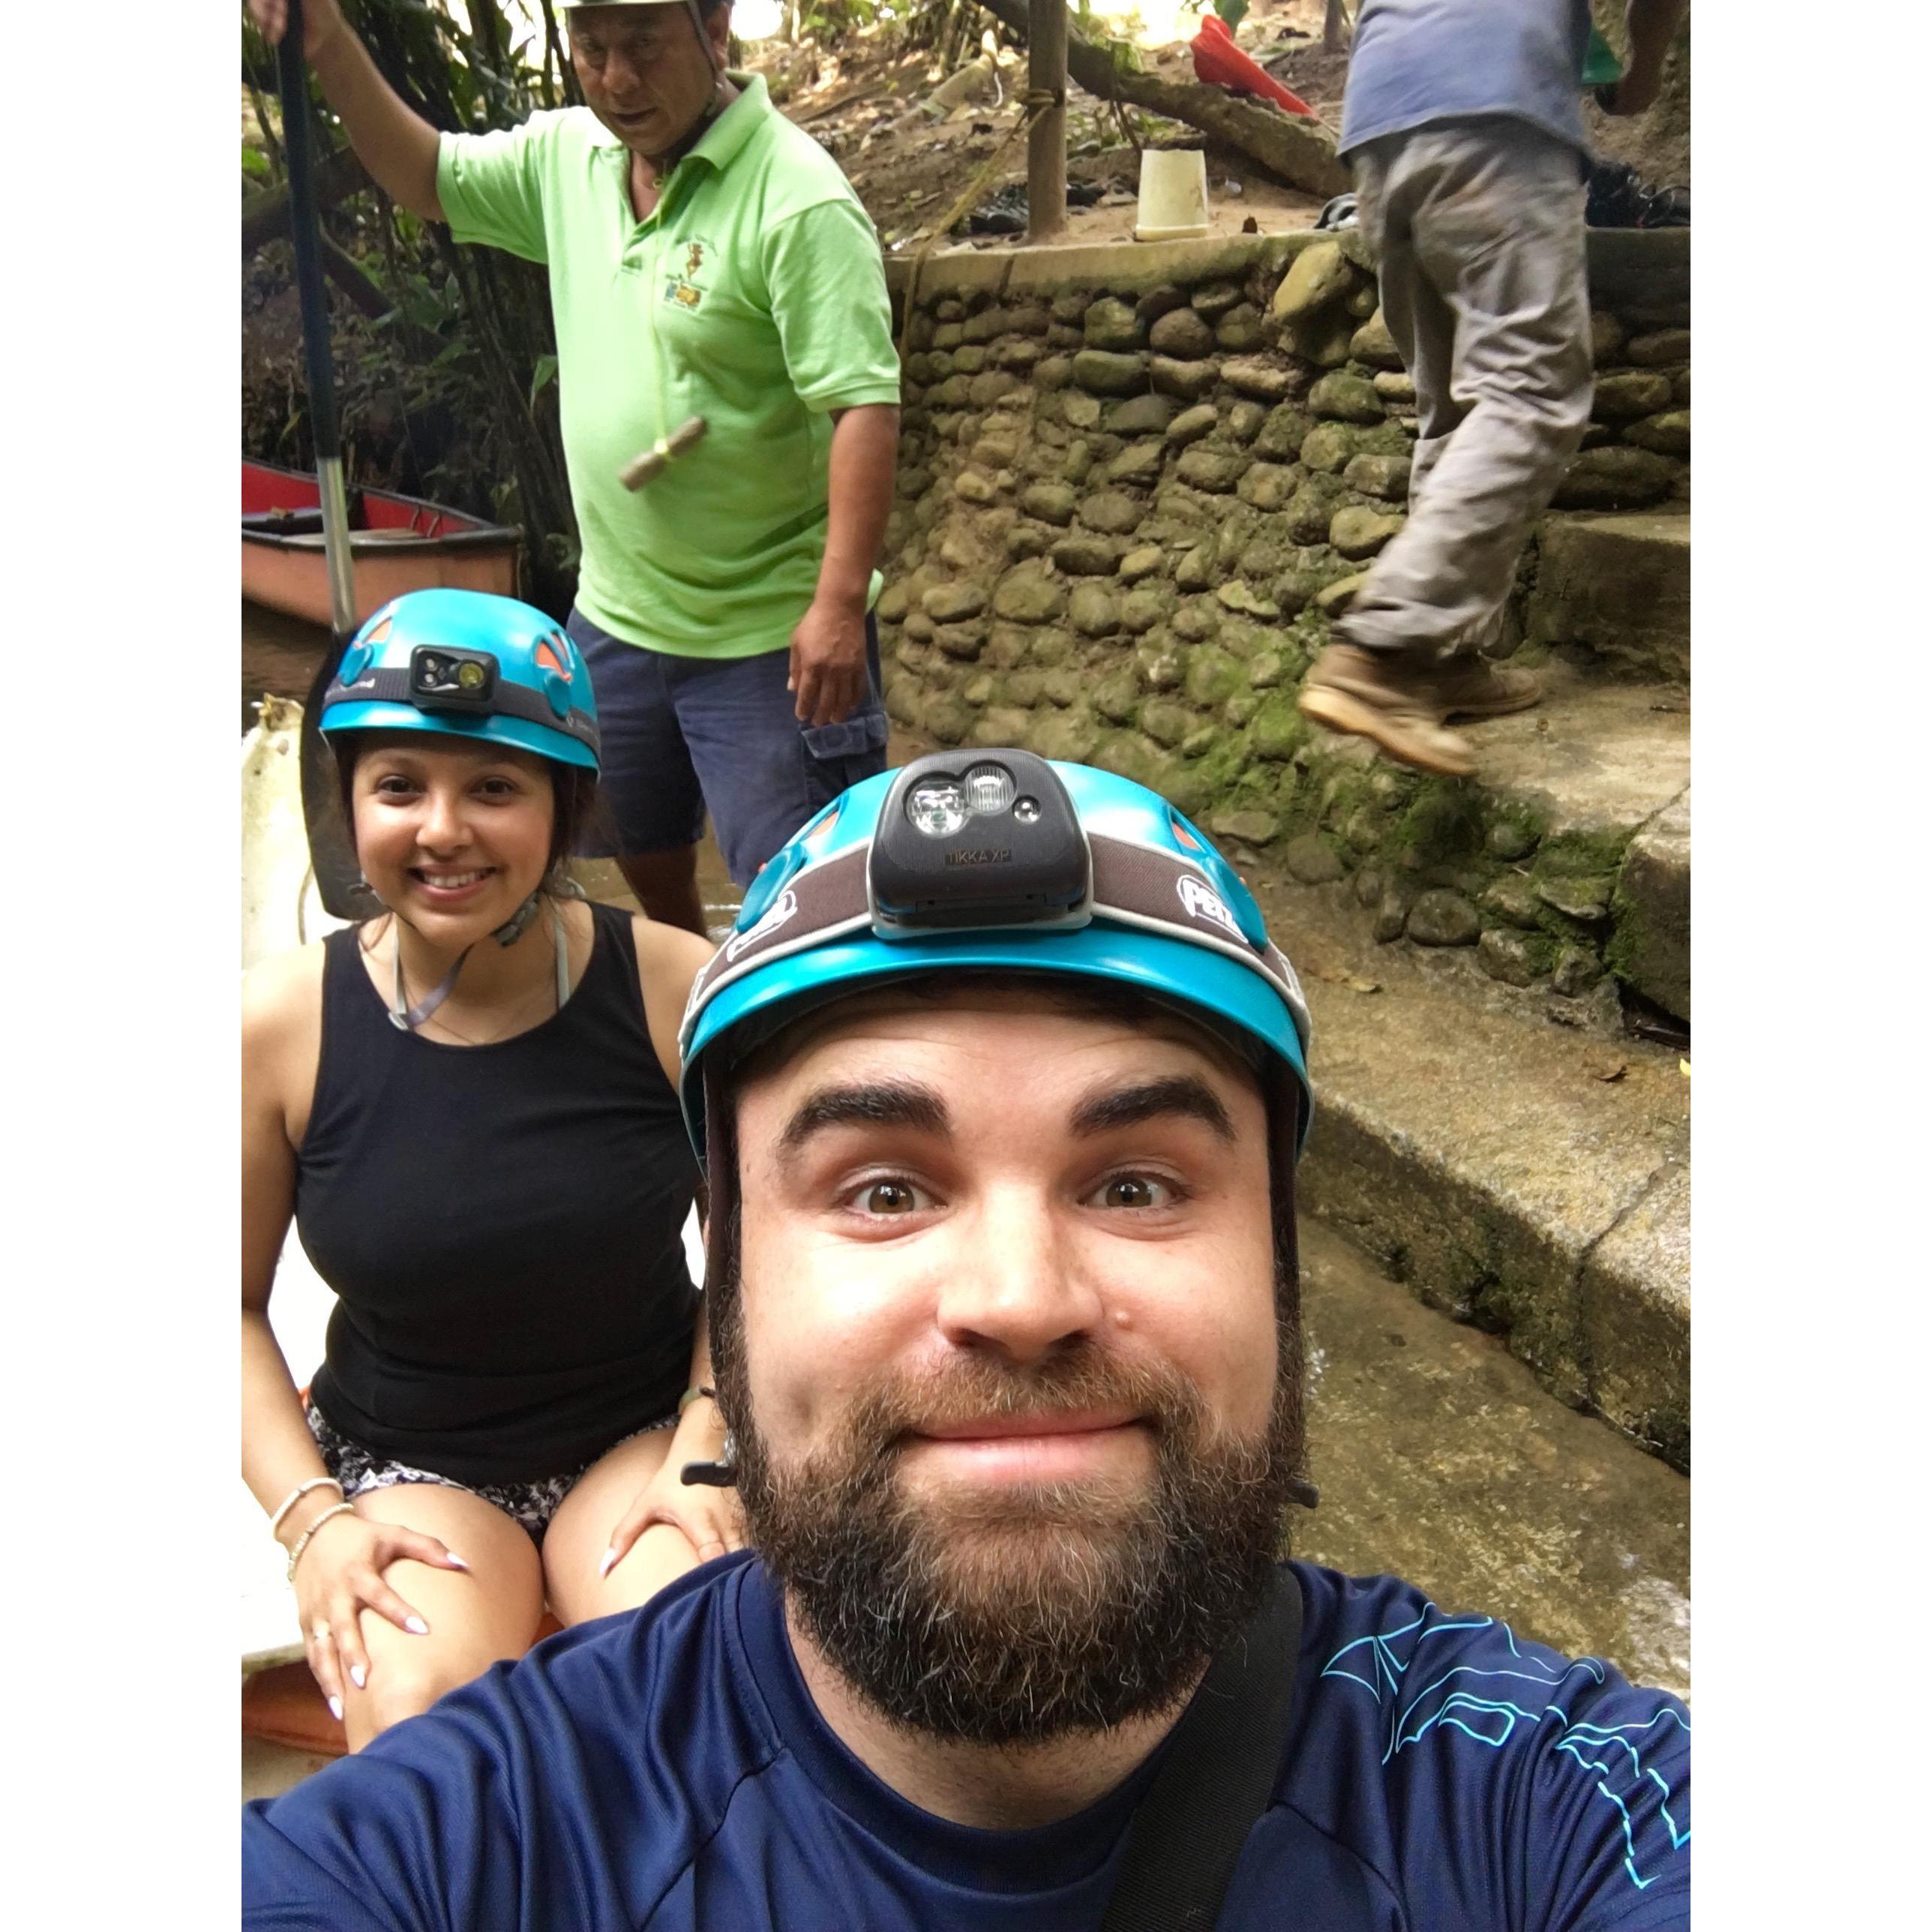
(296, 1495)
(301, 1541)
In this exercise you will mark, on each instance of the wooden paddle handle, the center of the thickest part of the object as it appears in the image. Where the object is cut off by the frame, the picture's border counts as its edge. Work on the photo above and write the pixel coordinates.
(639, 471)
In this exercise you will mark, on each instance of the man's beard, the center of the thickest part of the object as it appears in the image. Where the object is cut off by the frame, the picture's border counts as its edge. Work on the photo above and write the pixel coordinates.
(1013, 1614)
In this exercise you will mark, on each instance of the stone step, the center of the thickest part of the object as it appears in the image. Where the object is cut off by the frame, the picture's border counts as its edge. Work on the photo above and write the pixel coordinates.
(1531, 1178)
(1439, 1457)
(1568, 852)
(1615, 589)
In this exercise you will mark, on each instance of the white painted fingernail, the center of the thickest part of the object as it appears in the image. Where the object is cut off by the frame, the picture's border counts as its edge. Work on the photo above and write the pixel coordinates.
(456, 1559)
(416, 1626)
(335, 1709)
(609, 1563)
(359, 1677)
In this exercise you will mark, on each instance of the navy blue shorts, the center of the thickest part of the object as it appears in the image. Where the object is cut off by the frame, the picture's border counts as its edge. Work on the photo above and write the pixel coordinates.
(684, 735)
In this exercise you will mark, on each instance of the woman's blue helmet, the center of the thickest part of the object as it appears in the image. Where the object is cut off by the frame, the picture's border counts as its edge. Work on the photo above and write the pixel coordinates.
(995, 860)
(466, 664)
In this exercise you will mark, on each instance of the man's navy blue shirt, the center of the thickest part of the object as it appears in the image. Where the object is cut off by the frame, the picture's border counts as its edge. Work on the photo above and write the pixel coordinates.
(666, 1768)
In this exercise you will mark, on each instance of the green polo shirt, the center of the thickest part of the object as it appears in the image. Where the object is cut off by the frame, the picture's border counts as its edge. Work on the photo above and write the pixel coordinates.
(754, 296)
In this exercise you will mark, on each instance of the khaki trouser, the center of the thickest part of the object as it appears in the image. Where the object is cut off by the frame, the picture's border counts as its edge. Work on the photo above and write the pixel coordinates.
(1478, 231)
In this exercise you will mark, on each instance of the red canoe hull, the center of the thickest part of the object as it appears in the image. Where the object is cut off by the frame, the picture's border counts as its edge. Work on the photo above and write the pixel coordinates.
(396, 543)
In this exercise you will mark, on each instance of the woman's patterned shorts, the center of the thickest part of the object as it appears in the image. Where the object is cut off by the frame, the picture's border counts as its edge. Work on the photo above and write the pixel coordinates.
(532, 1504)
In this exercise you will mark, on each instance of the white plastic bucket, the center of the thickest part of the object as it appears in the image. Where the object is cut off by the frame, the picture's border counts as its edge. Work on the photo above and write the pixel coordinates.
(1174, 195)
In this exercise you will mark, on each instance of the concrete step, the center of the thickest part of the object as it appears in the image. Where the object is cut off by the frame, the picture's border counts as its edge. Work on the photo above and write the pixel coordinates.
(1614, 590)
(1531, 1178)
(1440, 1458)
(1569, 851)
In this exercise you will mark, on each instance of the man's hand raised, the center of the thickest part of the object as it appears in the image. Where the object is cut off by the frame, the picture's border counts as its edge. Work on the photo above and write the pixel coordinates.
(321, 20)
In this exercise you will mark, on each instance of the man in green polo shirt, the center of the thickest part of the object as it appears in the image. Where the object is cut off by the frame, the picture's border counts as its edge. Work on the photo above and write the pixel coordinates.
(706, 260)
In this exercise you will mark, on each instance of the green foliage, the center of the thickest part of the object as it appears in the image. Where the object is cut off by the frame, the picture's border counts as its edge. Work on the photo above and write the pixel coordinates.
(828, 22)
(452, 394)
(1232, 13)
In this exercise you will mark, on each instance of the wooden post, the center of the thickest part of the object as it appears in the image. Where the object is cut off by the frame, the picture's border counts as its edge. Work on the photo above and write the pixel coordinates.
(1046, 140)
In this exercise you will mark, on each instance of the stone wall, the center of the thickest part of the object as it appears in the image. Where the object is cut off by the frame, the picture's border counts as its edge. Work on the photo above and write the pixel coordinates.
(1136, 484)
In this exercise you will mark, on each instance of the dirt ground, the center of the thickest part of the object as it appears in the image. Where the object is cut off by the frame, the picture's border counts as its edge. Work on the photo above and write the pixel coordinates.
(863, 100)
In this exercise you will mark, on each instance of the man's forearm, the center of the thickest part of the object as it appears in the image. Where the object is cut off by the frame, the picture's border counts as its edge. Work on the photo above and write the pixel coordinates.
(864, 449)
(395, 144)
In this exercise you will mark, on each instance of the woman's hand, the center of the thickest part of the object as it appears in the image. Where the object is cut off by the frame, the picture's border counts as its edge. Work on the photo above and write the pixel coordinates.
(339, 1577)
(710, 1517)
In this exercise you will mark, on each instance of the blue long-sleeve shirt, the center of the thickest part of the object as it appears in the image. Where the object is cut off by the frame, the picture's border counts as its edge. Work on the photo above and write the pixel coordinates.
(667, 1769)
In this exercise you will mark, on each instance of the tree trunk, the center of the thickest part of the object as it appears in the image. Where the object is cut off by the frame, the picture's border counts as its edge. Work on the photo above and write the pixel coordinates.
(265, 215)
(1046, 138)
(1301, 153)
(1335, 27)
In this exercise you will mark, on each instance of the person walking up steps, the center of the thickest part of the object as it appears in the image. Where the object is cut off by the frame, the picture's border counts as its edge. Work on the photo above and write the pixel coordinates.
(1462, 124)
(707, 260)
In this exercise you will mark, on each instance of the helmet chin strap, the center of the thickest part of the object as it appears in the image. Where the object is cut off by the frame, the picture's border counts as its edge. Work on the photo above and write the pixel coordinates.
(407, 1018)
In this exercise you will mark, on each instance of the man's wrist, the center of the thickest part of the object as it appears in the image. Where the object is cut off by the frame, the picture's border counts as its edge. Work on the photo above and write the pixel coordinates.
(841, 600)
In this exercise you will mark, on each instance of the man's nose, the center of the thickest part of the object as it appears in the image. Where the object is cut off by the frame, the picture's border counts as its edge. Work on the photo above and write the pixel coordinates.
(1021, 1286)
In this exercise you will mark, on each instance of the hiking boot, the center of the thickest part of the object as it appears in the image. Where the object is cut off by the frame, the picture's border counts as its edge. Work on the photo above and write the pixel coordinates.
(1472, 687)
(1389, 703)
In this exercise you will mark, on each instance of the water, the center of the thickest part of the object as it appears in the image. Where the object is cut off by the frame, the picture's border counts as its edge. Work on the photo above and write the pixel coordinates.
(1439, 1456)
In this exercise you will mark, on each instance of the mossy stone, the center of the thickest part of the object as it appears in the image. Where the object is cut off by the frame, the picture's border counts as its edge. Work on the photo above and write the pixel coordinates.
(1026, 595)
(1283, 433)
(1094, 612)
(1103, 373)
(1278, 731)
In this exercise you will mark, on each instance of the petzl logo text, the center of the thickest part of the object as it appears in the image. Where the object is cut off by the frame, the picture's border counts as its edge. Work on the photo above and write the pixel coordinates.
(1202, 901)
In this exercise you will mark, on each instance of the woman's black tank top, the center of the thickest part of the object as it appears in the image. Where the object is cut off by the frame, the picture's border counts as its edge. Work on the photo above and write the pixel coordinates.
(503, 1224)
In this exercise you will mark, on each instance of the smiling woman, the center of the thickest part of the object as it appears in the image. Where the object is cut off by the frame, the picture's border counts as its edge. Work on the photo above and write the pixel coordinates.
(468, 1107)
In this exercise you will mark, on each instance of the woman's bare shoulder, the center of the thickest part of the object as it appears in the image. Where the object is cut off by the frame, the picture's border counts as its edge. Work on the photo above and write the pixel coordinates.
(282, 994)
(668, 957)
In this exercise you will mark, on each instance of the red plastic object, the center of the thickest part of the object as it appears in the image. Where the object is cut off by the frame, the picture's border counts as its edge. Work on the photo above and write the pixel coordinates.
(1221, 63)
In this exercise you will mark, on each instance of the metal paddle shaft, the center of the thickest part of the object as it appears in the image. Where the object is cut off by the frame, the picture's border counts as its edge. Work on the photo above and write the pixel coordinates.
(337, 877)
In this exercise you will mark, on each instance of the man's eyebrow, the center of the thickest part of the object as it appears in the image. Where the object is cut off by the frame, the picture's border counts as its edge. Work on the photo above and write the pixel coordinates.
(1184, 1093)
(869, 1103)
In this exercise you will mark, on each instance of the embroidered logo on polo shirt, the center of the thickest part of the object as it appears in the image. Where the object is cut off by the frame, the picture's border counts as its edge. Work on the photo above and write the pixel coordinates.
(682, 289)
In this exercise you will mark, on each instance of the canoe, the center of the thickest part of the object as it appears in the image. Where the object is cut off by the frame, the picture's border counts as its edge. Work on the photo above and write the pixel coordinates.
(280, 907)
(396, 543)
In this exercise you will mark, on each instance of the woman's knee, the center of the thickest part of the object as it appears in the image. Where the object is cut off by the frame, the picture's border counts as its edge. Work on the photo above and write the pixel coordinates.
(405, 1686)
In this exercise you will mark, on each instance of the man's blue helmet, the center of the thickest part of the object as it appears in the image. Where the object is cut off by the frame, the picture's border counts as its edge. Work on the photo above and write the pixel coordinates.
(466, 664)
(995, 860)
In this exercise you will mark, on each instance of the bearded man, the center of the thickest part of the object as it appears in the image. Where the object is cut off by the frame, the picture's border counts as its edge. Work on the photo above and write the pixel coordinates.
(1001, 1085)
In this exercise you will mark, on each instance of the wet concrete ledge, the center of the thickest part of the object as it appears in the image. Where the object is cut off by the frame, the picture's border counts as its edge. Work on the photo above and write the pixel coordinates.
(1530, 1178)
(1645, 272)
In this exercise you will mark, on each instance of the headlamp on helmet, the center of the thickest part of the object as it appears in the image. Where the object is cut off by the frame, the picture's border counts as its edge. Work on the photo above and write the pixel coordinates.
(444, 679)
(987, 840)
